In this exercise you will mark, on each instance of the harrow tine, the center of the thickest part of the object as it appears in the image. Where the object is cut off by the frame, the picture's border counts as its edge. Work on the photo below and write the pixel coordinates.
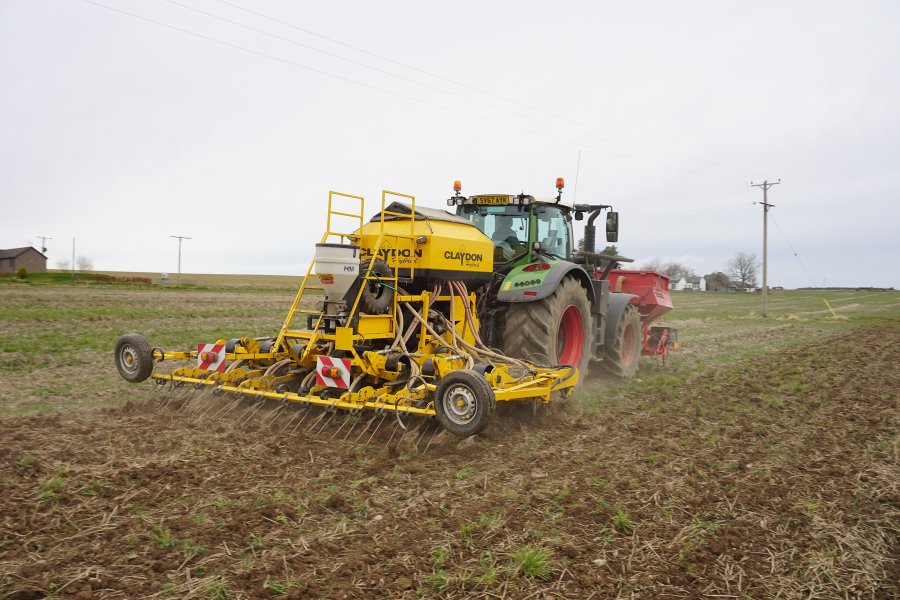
(176, 394)
(356, 421)
(365, 429)
(247, 410)
(227, 408)
(316, 422)
(344, 422)
(301, 412)
(167, 393)
(270, 420)
(198, 409)
(146, 398)
(252, 410)
(383, 417)
(422, 436)
(431, 439)
(208, 408)
(394, 432)
(185, 408)
(327, 421)
(402, 435)
(400, 425)
(306, 411)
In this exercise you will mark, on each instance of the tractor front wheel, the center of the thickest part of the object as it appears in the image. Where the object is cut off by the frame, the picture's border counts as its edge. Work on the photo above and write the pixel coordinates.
(134, 358)
(464, 402)
(623, 352)
(553, 331)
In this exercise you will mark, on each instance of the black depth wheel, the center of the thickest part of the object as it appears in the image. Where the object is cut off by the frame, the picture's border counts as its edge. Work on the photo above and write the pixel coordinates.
(464, 402)
(134, 358)
(623, 353)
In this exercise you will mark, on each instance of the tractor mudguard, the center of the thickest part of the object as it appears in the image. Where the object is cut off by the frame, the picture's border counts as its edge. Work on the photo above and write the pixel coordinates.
(617, 303)
(520, 285)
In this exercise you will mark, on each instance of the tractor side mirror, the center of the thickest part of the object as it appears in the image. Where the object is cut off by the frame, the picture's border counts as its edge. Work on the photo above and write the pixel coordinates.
(579, 216)
(612, 226)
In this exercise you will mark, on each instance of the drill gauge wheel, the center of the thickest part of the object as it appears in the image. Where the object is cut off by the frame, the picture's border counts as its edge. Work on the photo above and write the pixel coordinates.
(134, 358)
(464, 402)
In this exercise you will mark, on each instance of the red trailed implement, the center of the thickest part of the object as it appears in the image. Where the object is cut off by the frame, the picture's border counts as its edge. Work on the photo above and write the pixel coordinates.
(652, 299)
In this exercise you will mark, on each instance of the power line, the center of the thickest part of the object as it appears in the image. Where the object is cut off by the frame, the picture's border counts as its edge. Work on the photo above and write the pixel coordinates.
(404, 96)
(689, 212)
(480, 91)
(796, 255)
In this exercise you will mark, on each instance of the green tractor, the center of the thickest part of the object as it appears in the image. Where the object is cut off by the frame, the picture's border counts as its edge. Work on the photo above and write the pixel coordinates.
(549, 302)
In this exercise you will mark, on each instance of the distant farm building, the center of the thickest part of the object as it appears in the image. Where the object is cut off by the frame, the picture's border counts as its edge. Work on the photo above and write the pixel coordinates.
(689, 283)
(15, 258)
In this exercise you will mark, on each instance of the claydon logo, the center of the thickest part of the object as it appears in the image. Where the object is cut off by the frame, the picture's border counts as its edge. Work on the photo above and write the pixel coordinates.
(393, 253)
(394, 256)
(468, 259)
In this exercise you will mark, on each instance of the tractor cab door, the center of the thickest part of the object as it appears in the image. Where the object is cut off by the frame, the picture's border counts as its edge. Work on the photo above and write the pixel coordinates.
(554, 230)
(507, 226)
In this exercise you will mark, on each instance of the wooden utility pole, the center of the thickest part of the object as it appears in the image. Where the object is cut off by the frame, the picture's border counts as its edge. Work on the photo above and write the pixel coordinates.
(765, 185)
(180, 238)
(44, 239)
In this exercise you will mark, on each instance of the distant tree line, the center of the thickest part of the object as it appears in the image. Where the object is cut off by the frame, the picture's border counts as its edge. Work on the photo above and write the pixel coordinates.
(740, 271)
(82, 263)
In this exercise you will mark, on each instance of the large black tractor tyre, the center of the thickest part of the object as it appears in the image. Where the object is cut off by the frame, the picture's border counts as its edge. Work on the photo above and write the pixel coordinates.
(552, 331)
(134, 357)
(622, 353)
(464, 402)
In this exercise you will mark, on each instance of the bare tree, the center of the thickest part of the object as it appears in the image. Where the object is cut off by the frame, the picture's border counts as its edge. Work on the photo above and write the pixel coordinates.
(717, 282)
(84, 263)
(743, 269)
(63, 265)
(673, 269)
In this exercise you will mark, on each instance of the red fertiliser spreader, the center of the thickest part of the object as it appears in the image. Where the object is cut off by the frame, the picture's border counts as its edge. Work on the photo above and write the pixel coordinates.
(651, 297)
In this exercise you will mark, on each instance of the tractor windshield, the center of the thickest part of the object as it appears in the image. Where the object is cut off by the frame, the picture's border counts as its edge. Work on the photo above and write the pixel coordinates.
(507, 226)
(553, 231)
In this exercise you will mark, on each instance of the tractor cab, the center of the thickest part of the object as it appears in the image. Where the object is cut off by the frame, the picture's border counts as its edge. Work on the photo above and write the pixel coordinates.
(521, 227)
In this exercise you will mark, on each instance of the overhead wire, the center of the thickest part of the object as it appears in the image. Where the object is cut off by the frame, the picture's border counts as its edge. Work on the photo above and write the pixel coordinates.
(478, 90)
(402, 95)
(795, 253)
(690, 212)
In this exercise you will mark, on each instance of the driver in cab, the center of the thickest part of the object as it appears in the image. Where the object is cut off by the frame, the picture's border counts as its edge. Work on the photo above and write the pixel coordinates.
(507, 244)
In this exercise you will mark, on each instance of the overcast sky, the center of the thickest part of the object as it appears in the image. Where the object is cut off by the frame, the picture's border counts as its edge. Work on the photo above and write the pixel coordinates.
(203, 119)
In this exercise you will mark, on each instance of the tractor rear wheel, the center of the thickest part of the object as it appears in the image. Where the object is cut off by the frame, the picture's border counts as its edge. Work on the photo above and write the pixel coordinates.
(134, 358)
(464, 402)
(622, 354)
(555, 330)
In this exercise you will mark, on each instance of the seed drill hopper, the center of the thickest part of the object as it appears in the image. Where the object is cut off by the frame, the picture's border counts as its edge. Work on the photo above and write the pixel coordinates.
(395, 332)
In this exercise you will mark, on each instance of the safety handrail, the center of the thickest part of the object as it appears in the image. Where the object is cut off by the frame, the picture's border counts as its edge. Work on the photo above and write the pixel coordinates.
(400, 240)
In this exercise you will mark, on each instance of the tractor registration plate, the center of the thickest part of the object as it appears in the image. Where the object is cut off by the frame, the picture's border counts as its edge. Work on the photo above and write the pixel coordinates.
(492, 200)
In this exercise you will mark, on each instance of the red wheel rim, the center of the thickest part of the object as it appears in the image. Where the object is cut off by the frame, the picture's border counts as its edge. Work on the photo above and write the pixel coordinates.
(570, 338)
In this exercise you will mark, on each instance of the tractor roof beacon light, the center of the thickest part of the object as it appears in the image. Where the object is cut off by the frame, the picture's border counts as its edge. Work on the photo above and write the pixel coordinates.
(456, 199)
(560, 184)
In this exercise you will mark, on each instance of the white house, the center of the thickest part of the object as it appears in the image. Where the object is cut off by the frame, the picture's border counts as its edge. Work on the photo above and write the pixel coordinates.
(689, 283)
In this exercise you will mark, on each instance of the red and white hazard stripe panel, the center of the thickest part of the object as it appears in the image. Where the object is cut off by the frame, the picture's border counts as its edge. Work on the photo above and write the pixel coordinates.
(333, 372)
(211, 357)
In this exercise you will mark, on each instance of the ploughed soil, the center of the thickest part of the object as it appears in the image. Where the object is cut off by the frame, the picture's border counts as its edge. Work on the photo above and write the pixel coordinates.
(775, 477)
